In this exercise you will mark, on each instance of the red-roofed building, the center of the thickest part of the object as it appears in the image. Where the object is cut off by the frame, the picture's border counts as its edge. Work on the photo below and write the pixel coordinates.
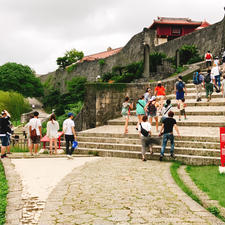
(170, 28)
(101, 55)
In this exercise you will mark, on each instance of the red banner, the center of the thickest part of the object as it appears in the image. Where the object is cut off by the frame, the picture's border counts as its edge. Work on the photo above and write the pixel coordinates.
(222, 146)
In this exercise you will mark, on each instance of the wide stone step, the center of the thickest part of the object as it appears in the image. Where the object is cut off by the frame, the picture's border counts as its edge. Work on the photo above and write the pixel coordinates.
(203, 121)
(131, 141)
(192, 95)
(126, 147)
(208, 134)
(187, 159)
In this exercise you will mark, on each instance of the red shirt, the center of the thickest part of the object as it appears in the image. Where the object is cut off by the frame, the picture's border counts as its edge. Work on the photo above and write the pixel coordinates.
(160, 91)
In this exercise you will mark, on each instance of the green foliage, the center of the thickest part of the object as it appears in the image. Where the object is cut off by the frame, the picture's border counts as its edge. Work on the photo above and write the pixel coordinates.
(69, 58)
(189, 54)
(101, 62)
(125, 74)
(173, 170)
(209, 180)
(18, 149)
(76, 89)
(20, 78)
(14, 103)
(3, 194)
(94, 153)
(179, 69)
(155, 60)
(105, 86)
(71, 68)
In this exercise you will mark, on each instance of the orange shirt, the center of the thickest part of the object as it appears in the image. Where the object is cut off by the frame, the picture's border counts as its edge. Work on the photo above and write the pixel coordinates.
(160, 91)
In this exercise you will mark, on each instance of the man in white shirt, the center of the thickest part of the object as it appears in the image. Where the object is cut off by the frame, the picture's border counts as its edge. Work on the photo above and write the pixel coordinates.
(70, 134)
(35, 124)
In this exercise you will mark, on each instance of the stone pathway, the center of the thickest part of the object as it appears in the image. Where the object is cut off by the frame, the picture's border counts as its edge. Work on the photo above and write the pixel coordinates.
(31, 181)
(115, 191)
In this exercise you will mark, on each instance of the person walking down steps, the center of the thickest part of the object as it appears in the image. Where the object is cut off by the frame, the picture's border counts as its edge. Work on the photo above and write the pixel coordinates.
(126, 107)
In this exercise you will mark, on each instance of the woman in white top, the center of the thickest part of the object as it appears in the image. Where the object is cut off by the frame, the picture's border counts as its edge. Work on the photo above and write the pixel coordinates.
(52, 132)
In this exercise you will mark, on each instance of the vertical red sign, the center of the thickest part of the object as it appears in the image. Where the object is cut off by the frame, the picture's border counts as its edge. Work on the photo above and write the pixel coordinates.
(222, 145)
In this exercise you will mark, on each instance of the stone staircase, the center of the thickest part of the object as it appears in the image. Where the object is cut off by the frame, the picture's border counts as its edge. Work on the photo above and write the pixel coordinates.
(199, 143)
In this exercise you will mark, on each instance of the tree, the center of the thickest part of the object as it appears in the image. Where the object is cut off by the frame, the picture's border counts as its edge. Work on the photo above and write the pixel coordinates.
(69, 58)
(20, 78)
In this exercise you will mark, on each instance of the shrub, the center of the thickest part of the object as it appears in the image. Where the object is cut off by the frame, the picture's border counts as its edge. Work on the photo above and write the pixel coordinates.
(71, 68)
(14, 103)
(155, 60)
(189, 54)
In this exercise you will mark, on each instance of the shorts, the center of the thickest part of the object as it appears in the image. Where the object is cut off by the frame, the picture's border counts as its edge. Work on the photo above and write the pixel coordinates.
(160, 97)
(152, 115)
(5, 140)
(182, 112)
(125, 116)
(36, 140)
(179, 95)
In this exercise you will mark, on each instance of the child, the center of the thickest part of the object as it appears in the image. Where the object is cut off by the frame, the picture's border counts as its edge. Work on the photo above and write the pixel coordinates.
(126, 107)
(182, 105)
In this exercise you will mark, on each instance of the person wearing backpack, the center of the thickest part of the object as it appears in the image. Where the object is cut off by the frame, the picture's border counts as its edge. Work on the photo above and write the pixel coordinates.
(146, 140)
(180, 89)
(208, 85)
(197, 81)
(151, 109)
(208, 59)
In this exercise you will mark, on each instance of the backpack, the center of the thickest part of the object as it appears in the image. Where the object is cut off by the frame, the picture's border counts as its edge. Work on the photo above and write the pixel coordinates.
(143, 131)
(152, 109)
(196, 78)
(180, 86)
(208, 56)
(208, 78)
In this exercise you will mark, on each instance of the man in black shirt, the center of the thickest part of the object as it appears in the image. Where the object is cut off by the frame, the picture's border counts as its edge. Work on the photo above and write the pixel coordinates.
(5, 132)
(167, 129)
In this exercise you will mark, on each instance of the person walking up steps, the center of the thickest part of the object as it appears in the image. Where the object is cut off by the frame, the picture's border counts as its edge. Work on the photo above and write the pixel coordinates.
(216, 75)
(146, 140)
(140, 110)
(208, 85)
(179, 90)
(52, 132)
(151, 109)
(160, 93)
(208, 59)
(167, 131)
(197, 81)
(126, 107)
(70, 134)
(165, 110)
(35, 133)
(182, 106)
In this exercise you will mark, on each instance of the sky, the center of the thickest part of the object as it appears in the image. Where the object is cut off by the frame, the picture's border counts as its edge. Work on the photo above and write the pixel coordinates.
(37, 32)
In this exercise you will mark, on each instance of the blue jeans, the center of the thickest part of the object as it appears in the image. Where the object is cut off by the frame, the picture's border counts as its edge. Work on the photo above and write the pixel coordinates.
(217, 80)
(166, 137)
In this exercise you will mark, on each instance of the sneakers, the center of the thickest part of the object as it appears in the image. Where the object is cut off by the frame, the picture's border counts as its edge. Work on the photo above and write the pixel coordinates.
(161, 158)
(69, 156)
(4, 156)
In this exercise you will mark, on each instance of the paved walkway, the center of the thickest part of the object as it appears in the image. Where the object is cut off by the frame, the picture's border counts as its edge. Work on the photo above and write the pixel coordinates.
(122, 191)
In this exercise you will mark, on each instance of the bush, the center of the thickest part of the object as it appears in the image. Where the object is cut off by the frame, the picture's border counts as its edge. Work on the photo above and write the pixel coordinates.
(155, 60)
(71, 68)
(14, 103)
(189, 54)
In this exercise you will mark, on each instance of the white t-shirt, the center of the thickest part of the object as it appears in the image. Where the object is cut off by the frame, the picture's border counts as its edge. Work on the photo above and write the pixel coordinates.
(215, 71)
(35, 124)
(67, 126)
(145, 125)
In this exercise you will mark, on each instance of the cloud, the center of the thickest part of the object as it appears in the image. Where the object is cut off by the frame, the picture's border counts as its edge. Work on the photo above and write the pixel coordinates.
(36, 32)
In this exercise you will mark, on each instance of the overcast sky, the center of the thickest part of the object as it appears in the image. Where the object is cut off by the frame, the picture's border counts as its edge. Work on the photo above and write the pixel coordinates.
(36, 32)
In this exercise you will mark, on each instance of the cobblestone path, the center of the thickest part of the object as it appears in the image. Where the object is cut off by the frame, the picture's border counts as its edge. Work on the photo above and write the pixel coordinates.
(122, 192)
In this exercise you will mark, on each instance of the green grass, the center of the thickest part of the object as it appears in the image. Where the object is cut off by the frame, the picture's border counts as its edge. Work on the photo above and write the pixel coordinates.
(209, 180)
(3, 194)
(173, 169)
(19, 149)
